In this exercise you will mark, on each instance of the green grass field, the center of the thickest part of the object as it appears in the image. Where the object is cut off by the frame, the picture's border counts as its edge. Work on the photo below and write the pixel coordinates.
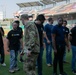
(46, 70)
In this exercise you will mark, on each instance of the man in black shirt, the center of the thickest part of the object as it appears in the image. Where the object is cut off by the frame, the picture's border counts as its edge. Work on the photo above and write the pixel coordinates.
(21, 32)
(67, 32)
(73, 45)
(14, 40)
(39, 24)
(2, 47)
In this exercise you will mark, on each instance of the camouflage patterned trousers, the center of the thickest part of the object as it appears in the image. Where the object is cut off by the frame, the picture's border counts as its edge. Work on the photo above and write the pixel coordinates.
(30, 64)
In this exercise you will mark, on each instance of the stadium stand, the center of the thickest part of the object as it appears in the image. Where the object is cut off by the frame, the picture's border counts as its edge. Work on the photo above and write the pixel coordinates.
(67, 10)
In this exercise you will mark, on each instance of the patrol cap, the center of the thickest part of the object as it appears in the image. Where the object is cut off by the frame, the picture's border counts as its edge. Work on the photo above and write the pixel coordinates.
(40, 17)
(24, 16)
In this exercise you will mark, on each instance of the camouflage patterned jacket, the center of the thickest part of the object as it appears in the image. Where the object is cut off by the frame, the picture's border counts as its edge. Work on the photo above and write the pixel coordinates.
(31, 38)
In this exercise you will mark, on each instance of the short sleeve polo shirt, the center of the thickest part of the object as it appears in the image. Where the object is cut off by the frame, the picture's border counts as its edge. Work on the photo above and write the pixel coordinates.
(59, 31)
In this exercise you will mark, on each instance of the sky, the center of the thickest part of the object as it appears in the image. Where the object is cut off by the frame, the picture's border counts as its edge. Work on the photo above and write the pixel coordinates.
(8, 7)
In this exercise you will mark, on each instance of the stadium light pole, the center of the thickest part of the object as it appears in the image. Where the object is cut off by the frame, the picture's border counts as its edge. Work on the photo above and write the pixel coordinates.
(3, 8)
(4, 12)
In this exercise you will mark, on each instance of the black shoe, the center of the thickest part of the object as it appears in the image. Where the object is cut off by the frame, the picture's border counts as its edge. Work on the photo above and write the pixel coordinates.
(64, 73)
(74, 71)
(55, 74)
(21, 60)
(66, 62)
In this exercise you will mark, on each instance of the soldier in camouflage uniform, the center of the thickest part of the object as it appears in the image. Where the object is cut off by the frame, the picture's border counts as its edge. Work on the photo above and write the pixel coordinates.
(31, 45)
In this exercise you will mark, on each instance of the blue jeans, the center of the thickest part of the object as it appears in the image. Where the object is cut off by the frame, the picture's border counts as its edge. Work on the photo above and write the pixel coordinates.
(39, 61)
(73, 57)
(13, 59)
(48, 53)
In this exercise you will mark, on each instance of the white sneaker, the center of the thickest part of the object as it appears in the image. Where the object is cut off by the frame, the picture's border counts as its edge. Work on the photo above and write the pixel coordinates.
(3, 64)
(11, 71)
(16, 69)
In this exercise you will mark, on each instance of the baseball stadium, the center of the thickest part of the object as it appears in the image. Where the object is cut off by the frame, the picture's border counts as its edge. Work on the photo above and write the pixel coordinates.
(49, 8)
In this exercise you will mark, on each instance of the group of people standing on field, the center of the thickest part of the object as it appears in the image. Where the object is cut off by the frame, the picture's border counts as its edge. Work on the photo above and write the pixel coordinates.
(59, 39)
(56, 37)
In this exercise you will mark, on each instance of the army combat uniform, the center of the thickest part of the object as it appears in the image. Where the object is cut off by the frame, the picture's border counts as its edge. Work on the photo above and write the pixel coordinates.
(31, 43)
